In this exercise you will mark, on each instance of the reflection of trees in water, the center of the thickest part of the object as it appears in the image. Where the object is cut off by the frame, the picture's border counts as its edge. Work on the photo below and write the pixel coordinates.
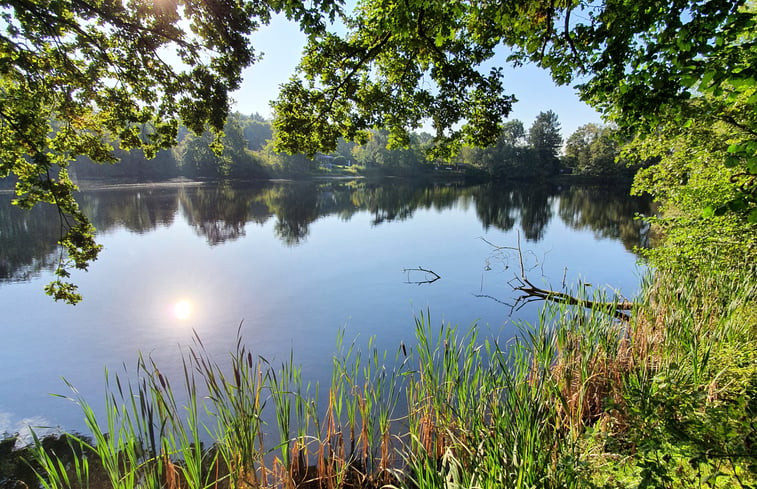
(398, 201)
(27, 240)
(502, 207)
(608, 211)
(139, 210)
(221, 212)
(391, 203)
(340, 199)
(296, 207)
(495, 207)
(535, 210)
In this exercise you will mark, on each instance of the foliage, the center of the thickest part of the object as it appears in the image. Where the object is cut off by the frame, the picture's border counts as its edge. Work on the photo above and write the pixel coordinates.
(640, 65)
(377, 76)
(257, 131)
(687, 416)
(507, 158)
(374, 154)
(244, 151)
(232, 158)
(545, 140)
(78, 78)
(706, 214)
(295, 165)
(594, 150)
(18, 467)
(398, 63)
(517, 155)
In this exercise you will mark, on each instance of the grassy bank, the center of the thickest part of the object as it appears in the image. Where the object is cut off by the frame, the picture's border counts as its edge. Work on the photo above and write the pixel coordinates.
(668, 399)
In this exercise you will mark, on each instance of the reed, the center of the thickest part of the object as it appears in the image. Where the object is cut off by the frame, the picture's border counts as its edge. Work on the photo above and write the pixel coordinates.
(54, 472)
(561, 404)
(235, 401)
(471, 409)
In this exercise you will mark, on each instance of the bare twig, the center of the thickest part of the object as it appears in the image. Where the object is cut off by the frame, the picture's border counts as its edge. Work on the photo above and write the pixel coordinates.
(497, 247)
(433, 276)
(531, 293)
(520, 256)
(486, 296)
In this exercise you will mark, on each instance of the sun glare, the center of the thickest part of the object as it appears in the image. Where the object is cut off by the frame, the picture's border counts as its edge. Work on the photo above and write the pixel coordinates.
(182, 309)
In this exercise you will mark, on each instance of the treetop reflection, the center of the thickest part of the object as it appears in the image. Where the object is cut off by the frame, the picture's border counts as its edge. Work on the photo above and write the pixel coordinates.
(220, 213)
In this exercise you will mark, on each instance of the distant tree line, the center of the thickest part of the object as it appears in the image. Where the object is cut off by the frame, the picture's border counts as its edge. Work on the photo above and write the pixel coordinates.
(246, 151)
(221, 213)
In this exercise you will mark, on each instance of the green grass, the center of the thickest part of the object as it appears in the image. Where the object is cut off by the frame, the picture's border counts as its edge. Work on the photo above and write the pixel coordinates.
(578, 400)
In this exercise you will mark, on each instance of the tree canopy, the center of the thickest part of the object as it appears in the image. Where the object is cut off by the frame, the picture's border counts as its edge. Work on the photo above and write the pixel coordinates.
(544, 136)
(592, 150)
(81, 77)
(655, 70)
(641, 64)
(400, 62)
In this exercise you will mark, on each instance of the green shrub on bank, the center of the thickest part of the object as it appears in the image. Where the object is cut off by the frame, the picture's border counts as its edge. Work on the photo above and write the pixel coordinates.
(689, 412)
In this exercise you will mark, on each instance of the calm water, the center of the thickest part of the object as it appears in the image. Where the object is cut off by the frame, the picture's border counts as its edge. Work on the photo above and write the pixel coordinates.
(293, 264)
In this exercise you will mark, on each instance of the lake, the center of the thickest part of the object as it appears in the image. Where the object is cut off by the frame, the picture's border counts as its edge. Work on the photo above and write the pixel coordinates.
(290, 265)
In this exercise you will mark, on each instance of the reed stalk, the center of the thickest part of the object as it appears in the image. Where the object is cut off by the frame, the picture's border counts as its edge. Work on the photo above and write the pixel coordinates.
(453, 410)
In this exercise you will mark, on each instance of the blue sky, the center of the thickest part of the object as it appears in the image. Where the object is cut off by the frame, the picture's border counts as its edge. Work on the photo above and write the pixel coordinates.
(282, 42)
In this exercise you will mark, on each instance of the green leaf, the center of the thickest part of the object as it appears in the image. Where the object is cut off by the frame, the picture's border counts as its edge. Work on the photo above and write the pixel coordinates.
(707, 78)
(751, 166)
(732, 161)
(738, 205)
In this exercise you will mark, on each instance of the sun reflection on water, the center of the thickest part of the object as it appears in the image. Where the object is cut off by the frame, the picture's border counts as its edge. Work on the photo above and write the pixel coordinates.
(182, 309)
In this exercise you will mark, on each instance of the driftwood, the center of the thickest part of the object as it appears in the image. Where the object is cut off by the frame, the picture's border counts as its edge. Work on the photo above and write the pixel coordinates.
(531, 293)
(431, 275)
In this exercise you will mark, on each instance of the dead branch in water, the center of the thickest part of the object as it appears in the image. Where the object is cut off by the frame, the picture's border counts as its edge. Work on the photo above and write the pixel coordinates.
(434, 276)
(531, 293)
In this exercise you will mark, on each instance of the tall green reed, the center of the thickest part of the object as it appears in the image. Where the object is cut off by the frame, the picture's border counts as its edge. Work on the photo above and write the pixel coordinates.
(126, 445)
(454, 407)
(236, 403)
(54, 472)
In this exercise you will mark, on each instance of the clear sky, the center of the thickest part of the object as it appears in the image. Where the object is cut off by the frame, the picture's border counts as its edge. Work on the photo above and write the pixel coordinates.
(282, 42)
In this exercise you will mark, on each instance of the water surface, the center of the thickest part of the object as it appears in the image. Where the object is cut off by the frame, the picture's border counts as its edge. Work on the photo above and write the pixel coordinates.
(293, 264)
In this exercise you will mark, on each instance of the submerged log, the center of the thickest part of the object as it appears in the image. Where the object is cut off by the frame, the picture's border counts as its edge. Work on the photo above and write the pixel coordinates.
(531, 292)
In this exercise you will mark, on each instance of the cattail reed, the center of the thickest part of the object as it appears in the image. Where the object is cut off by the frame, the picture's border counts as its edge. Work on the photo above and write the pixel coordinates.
(449, 411)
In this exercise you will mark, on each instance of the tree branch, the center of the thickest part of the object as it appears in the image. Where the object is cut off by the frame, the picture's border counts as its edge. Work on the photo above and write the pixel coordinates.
(435, 276)
(568, 38)
(530, 292)
(731, 120)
